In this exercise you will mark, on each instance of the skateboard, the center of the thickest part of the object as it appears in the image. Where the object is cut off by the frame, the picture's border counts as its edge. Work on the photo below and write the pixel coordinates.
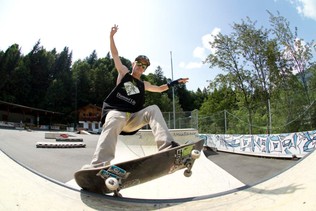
(113, 178)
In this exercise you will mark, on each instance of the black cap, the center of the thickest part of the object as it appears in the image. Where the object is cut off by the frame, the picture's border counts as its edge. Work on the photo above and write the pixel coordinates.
(144, 59)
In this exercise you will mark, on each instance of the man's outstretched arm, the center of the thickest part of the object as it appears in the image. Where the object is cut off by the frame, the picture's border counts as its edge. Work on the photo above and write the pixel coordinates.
(122, 70)
(153, 88)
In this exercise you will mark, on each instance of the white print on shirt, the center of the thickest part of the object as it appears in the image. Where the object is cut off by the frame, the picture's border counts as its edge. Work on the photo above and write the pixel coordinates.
(130, 88)
(126, 99)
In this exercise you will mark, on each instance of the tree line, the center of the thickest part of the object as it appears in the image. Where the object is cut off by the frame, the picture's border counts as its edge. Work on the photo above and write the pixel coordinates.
(268, 85)
(50, 80)
(269, 82)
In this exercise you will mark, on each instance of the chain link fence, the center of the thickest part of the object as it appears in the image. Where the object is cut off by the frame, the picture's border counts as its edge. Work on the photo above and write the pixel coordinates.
(181, 120)
(225, 122)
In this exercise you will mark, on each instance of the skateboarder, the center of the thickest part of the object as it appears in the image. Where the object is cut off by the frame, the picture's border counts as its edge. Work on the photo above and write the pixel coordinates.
(123, 111)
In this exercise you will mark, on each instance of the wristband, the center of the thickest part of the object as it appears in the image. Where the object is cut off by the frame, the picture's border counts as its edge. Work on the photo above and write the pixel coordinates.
(173, 83)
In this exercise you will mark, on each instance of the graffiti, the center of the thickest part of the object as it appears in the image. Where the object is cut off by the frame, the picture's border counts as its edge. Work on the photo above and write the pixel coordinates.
(298, 144)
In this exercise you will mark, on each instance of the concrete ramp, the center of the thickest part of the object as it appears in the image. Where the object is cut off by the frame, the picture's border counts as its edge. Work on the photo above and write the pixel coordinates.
(294, 189)
(21, 189)
(207, 177)
(209, 188)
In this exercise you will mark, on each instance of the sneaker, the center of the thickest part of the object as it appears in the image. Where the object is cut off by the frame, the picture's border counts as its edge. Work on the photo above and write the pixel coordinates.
(90, 166)
(86, 167)
(174, 144)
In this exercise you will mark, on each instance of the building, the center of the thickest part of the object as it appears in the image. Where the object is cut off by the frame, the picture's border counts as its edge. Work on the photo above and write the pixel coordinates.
(89, 118)
(19, 116)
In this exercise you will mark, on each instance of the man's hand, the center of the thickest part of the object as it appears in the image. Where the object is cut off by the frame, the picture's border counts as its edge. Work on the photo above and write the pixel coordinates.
(183, 80)
(178, 81)
(114, 30)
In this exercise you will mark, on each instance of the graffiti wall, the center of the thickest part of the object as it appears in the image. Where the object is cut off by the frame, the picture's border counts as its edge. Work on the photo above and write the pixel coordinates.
(276, 145)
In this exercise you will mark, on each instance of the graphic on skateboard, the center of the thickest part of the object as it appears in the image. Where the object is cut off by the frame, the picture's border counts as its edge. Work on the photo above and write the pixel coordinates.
(113, 178)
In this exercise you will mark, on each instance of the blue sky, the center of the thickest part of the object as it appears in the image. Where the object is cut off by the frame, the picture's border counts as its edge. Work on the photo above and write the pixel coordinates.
(151, 27)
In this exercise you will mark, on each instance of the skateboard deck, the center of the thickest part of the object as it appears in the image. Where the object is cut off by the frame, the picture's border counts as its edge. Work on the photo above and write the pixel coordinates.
(113, 178)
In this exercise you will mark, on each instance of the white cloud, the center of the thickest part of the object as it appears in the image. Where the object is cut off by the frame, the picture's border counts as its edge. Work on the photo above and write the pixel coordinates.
(307, 8)
(201, 52)
(206, 39)
(190, 65)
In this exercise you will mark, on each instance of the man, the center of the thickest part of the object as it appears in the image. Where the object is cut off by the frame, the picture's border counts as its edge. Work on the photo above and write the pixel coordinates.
(123, 111)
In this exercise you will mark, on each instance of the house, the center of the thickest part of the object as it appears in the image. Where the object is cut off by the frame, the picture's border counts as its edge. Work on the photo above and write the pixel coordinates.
(89, 118)
(19, 116)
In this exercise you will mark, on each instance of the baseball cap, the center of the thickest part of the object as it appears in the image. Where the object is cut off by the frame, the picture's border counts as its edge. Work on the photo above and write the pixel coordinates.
(144, 59)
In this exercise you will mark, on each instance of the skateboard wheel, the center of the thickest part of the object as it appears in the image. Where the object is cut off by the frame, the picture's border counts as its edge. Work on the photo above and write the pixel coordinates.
(112, 183)
(187, 173)
(195, 154)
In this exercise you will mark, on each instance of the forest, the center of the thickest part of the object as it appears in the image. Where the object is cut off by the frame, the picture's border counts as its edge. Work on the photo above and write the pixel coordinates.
(268, 85)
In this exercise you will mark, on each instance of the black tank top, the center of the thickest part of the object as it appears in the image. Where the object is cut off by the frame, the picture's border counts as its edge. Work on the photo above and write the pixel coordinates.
(127, 96)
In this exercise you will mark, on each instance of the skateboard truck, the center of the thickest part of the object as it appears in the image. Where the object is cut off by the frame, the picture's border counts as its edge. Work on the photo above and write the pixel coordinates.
(195, 154)
(185, 157)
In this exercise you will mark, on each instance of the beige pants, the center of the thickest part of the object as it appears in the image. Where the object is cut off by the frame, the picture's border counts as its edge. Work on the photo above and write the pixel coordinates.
(117, 121)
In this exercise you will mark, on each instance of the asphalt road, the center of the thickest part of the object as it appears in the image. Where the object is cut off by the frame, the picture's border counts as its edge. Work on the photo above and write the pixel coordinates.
(61, 163)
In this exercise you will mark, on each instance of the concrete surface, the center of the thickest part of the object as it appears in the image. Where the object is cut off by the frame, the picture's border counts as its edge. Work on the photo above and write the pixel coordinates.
(23, 190)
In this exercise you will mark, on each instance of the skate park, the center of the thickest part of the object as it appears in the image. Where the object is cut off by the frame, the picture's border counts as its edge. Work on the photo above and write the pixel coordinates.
(42, 178)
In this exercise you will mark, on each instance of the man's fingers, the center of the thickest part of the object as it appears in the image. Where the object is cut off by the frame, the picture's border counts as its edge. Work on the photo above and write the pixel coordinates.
(184, 80)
